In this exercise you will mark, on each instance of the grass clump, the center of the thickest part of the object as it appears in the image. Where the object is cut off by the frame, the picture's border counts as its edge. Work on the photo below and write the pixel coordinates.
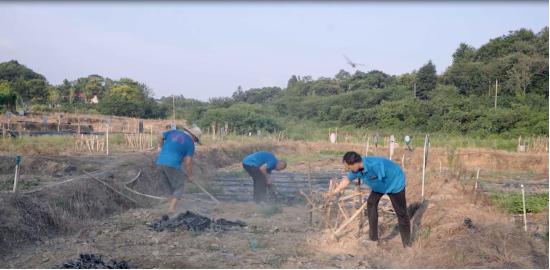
(512, 202)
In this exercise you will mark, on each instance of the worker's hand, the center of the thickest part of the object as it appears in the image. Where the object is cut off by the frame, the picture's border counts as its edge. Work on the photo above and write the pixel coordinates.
(191, 178)
(328, 195)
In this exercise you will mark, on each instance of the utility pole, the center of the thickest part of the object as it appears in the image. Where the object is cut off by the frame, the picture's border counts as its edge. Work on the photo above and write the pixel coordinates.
(496, 93)
(414, 91)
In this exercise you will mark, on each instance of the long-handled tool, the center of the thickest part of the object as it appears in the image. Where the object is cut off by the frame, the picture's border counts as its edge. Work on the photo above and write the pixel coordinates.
(207, 193)
(197, 184)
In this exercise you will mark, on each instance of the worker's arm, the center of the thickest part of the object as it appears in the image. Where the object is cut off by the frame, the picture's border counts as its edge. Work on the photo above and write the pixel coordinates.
(263, 169)
(188, 164)
(341, 186)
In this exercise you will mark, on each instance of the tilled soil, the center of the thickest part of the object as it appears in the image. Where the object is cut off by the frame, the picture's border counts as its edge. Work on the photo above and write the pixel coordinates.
(450, 230)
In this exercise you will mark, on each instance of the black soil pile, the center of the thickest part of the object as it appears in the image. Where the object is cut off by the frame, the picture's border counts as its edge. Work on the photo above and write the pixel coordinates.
(92, 261)
(194, 222)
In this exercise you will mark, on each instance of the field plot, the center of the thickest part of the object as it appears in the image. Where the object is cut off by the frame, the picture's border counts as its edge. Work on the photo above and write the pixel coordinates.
(63, 210)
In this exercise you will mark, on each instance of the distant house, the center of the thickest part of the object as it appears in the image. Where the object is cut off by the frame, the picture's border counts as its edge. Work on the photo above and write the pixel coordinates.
(94, 100)
(81, 96)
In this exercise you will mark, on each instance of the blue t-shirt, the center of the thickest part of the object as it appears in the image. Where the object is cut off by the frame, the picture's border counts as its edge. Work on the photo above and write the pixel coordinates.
(177, 145)
(381, 175)
(260, 158)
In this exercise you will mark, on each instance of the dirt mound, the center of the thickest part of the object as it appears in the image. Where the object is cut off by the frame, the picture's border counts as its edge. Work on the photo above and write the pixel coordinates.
(50, 209)
(92, 261)
(193, 222)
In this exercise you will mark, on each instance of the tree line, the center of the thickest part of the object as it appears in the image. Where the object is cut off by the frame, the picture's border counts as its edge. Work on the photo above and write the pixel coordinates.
(460, 101)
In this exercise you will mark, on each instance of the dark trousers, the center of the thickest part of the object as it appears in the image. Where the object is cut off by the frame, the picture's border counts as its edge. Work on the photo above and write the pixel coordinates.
(260, 182)
(399, 204)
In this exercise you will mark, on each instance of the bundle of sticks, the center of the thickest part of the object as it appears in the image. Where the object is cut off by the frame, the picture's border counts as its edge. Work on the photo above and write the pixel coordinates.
(333, 210)
(92, 143)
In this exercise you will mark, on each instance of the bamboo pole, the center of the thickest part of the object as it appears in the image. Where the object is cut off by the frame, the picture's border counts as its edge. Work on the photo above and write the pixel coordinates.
(151, 140)
(310, 190)
(424, 165)
(524, 210)
(107, 139)
(15, 178)
(475, 187)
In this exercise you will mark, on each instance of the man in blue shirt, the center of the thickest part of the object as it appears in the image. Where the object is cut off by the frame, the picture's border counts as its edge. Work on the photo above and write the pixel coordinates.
(259, 165)
(383, 176)
(177, 147)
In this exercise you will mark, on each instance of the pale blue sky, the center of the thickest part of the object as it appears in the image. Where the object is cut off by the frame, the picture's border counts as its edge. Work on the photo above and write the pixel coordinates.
(207, 50)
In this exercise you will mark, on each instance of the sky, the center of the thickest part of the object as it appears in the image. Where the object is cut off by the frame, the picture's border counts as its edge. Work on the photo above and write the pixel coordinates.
(203, 50)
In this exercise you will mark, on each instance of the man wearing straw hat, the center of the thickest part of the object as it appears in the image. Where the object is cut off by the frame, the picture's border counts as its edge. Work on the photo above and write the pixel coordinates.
(178, 147)
(383, 176)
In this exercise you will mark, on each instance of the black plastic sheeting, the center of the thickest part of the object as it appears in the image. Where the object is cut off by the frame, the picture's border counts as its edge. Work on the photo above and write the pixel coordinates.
(92, 261)
(194, 222)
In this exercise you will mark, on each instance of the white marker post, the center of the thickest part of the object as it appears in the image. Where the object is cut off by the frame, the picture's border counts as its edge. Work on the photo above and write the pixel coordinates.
(16, 177)
(107, 139)
(524, 211)
(424, 164)
(392, 145)
(151, 140)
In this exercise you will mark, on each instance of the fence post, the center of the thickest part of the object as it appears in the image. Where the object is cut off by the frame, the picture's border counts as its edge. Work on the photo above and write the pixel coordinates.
(524, 210)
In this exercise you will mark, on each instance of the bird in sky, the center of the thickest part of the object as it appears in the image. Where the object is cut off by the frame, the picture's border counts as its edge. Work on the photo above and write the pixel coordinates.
(352, 64)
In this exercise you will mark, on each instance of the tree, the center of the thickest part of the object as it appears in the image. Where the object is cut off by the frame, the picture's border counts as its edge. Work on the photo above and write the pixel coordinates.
(54, 96)
(464, 53)
(8, 97)
(12, 70)
(239, 95)
(426, 80)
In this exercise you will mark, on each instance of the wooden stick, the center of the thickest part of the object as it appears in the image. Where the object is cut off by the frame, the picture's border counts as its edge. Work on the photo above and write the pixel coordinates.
(343, 211)
(112, 188)
(107, 138)
(524, 211)
(424, 165)
(351, 196)
(145, 195)
(360, 200)
(310, 190)
(347, 222)
(207, 193)
(16, 178)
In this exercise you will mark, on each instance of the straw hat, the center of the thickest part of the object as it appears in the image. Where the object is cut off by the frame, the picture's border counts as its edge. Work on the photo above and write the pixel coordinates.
(194, 131)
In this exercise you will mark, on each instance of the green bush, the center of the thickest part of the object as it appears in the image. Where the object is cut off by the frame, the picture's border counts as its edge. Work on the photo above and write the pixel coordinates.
(512, 202)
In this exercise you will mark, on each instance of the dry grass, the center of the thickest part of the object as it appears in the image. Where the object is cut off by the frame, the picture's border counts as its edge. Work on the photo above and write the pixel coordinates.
(279, 237)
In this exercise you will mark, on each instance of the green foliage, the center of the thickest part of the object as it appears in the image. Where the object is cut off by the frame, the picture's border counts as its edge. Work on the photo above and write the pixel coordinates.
(241, 118)
(256, 95)
(129, 98)
(7, 96)
(426, 80)
(459, 102)
(512, 202)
